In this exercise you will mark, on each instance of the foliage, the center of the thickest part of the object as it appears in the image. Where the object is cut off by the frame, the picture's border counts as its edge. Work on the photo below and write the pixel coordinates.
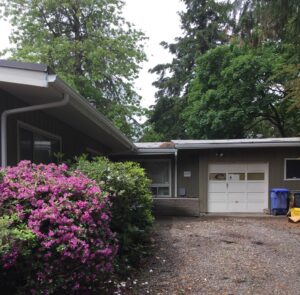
(205, 25)
(236, 94)
(131, 204)
(235, 72)
(87, 43)
(63, 222)
(15, 237)
(277, 21)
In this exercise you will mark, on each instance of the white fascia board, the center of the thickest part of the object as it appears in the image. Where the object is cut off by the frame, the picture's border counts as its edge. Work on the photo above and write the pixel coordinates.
(235, 145)
(155, 151)
(24, 77)
(90, 112)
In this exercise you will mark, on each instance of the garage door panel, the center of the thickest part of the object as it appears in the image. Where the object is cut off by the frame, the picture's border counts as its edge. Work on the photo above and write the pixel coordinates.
(237, 197)
(217, 187)
(256, 187)
(256, 167)
(233, 168)
(237, 187)
(238, 193)
(218, 197)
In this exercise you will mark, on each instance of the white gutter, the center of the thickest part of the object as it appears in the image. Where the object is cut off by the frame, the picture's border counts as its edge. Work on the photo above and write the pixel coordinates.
(6, 113)
(162, 151)
(235, 145)
(92, 113)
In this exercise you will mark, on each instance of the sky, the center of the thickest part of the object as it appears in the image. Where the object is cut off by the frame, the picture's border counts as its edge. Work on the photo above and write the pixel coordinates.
(159, 20)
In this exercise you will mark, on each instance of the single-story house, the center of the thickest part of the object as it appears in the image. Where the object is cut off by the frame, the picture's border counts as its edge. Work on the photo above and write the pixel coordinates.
(41, 116)
(190, 177)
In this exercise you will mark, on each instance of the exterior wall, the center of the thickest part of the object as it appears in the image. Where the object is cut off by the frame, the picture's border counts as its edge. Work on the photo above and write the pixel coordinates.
(73, 142)
(188, 161)
(197, 185)
(197, 162)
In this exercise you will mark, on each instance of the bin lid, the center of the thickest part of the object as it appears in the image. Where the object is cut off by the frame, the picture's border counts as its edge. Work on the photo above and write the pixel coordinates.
(280, 190)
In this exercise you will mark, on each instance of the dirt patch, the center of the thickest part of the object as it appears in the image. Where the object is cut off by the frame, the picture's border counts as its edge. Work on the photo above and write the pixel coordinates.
(221, 256)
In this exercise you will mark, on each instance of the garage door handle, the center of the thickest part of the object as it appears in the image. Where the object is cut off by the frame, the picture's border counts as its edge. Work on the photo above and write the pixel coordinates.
(227, 184)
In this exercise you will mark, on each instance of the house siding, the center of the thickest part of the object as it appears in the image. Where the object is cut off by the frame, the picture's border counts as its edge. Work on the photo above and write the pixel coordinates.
(197, 162)
(202, 158)
(73, 142)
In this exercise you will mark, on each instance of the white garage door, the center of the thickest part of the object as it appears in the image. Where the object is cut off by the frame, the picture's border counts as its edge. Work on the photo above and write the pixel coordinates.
(237, 187)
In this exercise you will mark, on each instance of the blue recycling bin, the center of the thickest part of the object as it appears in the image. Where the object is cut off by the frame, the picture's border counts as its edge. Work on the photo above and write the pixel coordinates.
(279, 201)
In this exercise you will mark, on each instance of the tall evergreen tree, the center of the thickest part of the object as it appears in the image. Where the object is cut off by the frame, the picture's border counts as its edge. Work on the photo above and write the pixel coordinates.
(205, 25)
(89, 44)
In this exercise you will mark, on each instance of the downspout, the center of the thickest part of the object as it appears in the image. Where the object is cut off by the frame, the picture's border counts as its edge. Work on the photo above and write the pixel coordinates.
(175, 175)
(6, 113)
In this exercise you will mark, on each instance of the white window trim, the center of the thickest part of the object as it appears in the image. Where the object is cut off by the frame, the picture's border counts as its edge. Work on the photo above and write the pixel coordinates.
(36, 130)
(284, 176)
(169, 185)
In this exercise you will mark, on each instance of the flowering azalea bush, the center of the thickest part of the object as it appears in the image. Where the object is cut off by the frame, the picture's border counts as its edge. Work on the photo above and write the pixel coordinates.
(58, 237)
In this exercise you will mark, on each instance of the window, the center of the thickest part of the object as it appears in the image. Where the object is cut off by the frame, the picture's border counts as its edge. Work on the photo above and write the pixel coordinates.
(36, 145)
(236, 176)
(256, 176)
(292, 169)
(159, 171)
(217, 176)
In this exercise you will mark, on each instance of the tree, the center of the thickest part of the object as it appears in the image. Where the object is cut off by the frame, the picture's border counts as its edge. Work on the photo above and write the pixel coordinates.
(237, 93)
(87, 43)
(205, 24)
(262, 21)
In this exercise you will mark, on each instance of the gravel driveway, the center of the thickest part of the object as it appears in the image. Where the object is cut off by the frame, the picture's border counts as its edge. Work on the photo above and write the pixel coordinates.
(222, 255)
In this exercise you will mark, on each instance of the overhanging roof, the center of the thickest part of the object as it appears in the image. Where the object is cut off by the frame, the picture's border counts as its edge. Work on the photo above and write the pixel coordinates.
(155, 148)
(237, 143)
(160, 148)
(38, 84)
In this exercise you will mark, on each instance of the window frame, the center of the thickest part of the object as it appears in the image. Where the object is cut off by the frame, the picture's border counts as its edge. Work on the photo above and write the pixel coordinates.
(36, 130)
(285, 169)
(157, 185)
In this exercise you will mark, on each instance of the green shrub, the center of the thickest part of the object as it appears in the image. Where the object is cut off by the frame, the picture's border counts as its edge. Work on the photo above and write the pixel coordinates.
(15, 237)
(132, 217)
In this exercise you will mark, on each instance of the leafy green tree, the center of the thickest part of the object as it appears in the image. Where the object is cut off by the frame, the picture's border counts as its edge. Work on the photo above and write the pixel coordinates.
(237, 93)
(89, 44)
(278, 21)
(205, 25)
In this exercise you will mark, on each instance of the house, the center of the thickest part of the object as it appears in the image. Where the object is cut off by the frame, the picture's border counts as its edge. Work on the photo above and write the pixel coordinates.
(190, 177)
(42, 116)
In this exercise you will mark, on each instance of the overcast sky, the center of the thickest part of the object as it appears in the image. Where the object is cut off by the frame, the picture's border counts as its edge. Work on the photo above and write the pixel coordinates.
(159, 20)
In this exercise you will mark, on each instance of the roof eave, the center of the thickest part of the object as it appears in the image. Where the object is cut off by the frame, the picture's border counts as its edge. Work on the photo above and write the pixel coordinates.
(92, 113)
(235, 145)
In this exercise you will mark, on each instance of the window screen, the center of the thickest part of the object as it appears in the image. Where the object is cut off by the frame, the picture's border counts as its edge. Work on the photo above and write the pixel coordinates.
(292, 168)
